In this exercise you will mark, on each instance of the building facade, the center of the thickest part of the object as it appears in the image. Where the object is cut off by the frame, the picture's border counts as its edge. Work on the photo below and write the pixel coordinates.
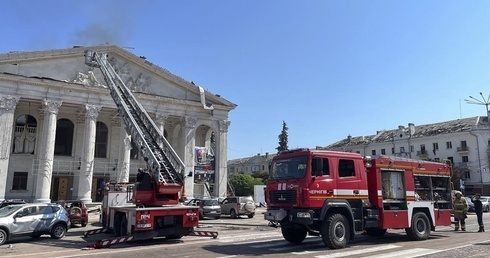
(250, 165)
(62, 137)
(465, 142)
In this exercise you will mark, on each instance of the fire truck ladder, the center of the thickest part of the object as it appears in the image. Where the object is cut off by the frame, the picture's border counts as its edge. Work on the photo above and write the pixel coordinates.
(161, 158)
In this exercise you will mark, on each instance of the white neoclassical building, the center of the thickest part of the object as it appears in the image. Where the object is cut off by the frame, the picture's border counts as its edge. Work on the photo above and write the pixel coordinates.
(61, 136)
(466, 142)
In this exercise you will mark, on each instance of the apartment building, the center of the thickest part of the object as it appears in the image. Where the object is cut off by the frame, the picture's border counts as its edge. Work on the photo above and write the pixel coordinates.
(465, 142)
(249, 165)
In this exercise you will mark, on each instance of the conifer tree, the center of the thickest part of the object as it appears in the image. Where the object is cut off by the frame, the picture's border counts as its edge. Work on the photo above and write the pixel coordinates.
(283, 138)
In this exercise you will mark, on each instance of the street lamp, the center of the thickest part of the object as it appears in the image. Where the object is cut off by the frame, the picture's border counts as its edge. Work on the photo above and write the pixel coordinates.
(483, 102)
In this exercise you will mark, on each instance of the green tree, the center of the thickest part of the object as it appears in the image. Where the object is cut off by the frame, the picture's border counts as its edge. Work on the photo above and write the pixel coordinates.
(283, 138)
(262, 175)
(244, 184)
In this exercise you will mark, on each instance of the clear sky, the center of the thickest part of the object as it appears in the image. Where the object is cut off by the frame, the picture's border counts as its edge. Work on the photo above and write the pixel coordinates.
(329, 69)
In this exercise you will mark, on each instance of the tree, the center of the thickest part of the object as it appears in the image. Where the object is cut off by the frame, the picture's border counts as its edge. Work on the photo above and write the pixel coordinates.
(244, 184)
(283, 138)
(262, 175)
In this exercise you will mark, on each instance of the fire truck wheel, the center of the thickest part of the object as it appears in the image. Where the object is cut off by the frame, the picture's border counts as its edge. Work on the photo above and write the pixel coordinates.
(117, 225)
(294, 235)
(335, 231)
(420, 229)
(124, 225)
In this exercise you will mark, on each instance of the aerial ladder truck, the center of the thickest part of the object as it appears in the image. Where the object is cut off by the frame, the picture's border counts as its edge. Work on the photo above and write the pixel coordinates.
(150, 207)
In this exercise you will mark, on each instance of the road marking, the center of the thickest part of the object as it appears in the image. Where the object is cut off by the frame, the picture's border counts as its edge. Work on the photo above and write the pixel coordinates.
(246, 237)
(356, 252)
(413, 252)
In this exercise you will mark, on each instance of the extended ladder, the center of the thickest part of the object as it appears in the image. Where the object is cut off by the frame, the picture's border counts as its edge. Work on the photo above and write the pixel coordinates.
(164, 163)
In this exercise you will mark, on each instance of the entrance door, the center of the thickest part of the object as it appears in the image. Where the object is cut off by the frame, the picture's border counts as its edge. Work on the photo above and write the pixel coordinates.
(59, 189)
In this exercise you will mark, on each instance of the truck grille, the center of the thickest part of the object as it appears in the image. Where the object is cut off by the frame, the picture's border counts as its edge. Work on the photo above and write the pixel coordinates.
(282, 197)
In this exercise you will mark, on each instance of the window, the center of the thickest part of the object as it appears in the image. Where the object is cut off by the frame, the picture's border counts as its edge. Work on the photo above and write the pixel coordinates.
(463, 144)
(449, 145)
(45, 210)
(101, 134)
(255, 168)
(319, 166)
(402, 149)
(373, 152)
(465, 158)
(467, 174)
(346, 168)
(435, 146)
(383, 152)
(25, 134)
(437, 159)
(412, 148)
(64, 137)
(392, 150)
(20, 181)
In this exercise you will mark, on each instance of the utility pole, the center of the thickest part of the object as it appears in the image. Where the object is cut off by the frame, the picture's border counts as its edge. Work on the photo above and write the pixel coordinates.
(482, 102)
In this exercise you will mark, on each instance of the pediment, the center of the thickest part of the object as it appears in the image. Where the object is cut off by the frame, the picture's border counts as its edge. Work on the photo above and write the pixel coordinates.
(140, 75)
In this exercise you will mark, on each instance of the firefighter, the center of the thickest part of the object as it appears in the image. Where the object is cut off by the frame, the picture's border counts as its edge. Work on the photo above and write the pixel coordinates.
(479, 211)
(460, 207)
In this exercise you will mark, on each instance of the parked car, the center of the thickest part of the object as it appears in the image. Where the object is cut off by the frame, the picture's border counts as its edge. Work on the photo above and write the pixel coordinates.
(471, 205)
(238, 205)
(485, 201)
(208, 208)
(78, 211)
(11, 201)
(34, 220)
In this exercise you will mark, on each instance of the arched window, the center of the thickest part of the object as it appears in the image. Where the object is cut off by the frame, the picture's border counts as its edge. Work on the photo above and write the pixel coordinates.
(64, 137)
(25, 134)
(101, 137)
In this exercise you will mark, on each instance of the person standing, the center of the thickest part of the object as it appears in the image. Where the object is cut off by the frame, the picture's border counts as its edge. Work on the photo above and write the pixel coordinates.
(460, 207)
(479, 211)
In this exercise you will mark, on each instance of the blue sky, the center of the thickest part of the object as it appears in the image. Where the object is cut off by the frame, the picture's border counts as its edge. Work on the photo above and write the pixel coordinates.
(329, 69)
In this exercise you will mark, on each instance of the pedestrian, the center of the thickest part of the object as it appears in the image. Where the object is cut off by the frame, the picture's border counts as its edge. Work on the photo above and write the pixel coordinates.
(460, 207)
(479, 211)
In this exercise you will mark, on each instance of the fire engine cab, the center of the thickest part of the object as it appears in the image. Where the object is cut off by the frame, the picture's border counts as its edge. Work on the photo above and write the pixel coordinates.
(338, 194)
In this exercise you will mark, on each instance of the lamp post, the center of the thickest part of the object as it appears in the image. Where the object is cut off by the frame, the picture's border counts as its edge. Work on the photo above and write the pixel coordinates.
(482, 102)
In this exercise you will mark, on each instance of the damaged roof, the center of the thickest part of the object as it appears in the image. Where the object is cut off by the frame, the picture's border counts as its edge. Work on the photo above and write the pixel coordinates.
(453, 126)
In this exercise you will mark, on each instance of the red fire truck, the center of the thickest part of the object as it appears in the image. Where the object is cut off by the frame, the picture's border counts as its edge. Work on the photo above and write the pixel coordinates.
(150, 207)
(338, 194)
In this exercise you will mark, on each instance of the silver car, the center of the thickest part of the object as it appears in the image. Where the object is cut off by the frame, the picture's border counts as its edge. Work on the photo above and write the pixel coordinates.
(34, 220)
(238, 205)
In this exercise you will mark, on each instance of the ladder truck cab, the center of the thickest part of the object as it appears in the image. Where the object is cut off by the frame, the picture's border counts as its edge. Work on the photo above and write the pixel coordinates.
(338, 194)
(150, 207)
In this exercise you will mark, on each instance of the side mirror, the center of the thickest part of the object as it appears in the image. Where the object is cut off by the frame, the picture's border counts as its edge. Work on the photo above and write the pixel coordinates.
(18, 215)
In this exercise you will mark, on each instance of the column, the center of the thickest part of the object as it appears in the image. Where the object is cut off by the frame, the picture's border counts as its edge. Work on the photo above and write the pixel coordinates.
(124, 156)
(46, 153)
(7, 110)
(87, 165)
(221, 158)
(160, 122)
(189, 152)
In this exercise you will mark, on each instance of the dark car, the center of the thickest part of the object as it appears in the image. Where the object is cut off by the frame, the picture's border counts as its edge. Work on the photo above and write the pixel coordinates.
(208, 208)
(11, 202)
(78, 211)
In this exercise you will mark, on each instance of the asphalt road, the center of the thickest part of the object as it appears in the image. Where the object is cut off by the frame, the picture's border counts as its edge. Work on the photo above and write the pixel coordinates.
(245, 237)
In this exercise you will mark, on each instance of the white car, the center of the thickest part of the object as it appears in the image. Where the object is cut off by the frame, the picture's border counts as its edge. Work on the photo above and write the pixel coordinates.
(34, 220)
